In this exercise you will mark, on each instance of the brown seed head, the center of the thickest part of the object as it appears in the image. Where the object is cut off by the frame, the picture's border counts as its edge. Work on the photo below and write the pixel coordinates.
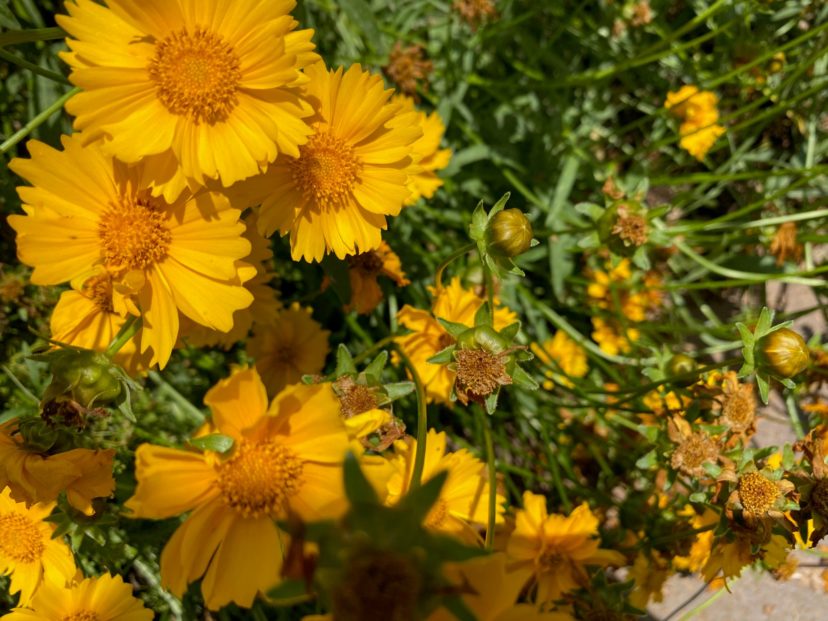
(354, 398)
(757, 494)
(630, 227)
(406, 66)
(693, 452)
(479, 374)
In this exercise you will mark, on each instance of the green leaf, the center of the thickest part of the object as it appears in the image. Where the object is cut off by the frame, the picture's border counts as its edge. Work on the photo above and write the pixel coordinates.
(419, 500)
(647, 461)
(360, 13)
(714, 470)
(453, 328)
(698, 497)
(523, 379)
(483, 317)
(765, 322)
(443, 356)
(511, 331)
(374, 370)
(288, 592)
(640, 259)
(491, 402)
(344, 362)
(500, 205)
(479, 221)
(357, 487)
(395, 390)
(215, 442)
(7, 18)
(764, 387)
(591, 210)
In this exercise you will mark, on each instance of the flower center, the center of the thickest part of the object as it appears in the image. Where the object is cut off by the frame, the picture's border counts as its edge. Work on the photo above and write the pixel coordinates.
(479, 373)
(326, 170)
(694, 452)
(354, 398)
(20, 539)
(551, 560)
(437, 515)
(757, 493)
(259, 478)
(369, 262)
(740, 407)
(82, 615)
(196, 75)
(133, 234)
(99, 290)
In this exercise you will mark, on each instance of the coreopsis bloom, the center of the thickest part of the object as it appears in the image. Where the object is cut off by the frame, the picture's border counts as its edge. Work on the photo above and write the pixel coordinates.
(262, 311)
(464, 499)
(557, 548)
(562, 358)
(88, 213)
(699, 114)
(430, 157)
(452, 303)
(701, 547)
(350, 175)
(407, 66)
(104, 598)
(293, 344)
(32, 476)
(612, 338)
(285, 458)
(215, 85)
(742, 547)
(27, 551)
(650, 572)
(363, 271)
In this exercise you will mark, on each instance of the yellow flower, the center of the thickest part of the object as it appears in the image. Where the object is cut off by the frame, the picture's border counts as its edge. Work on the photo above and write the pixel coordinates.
(557, 548)
(493, 592)
(430, 157)
(697, 109)
(27, 551)
(285, 458)
(351, 174)
(213, 84)
(731, 557)
(609, 338)
(363, 271)
(87, 212)
(649, 573)
(464, 498)
(262, 310)
(453, 303)
(564, 357)
(105, 598)
(32, 477)
(290, 346)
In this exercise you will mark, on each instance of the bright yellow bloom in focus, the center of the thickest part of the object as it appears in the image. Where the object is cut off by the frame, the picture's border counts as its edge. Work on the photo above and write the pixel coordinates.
(285, 458)
(363, 271)
(564, 358)
(27, 551)
(32, 477)
(293, 344)
(494, 592)
(87, 212)
(351, 174)
(105, 598)
(557, 548)
(430, 157)
(428, 337)
(699, 114)
(464, 499)
(198, 89)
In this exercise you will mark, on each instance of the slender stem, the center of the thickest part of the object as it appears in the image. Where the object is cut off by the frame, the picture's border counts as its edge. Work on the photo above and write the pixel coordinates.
(22, 62)
(196, 414)
(20, 385)
(127, 331)
(14, 37)
(492, 470)
(36, 121)
(422, 421)
(438, 275)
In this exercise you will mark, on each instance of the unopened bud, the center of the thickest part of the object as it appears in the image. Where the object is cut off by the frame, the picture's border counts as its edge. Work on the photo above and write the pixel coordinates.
(509, 233)
(784, 352)
(681, 365)
(88, 377)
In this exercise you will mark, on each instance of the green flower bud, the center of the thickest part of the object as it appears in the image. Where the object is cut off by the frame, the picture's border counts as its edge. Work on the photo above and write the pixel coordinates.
(88, 377)
(784, 352)
(682, 364)
(509, 233)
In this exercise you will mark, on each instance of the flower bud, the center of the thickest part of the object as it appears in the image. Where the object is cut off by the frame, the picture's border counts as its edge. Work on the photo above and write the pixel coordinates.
(509, 233)
(682, 364)
(88, 377)
(784, 352)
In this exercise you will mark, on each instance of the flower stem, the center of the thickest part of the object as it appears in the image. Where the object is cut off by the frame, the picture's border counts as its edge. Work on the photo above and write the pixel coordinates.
(36, 121)
(36, 69)
(127, 331)
(14, 37)
(422, 421)
(492, 471)
(194, 413)
(438, 275)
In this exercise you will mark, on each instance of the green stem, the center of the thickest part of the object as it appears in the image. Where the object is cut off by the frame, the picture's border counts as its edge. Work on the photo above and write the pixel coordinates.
(36, 121)
(167, 388)
(22, 62)
(438, 275)
(422, 420)
(127, 331)
(15, 37)
(492, 470)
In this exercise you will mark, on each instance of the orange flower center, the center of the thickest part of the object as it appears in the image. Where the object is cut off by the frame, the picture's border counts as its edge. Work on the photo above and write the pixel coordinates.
(369, 262)
(259, 478)
(758, 494)
(437, 515)
(326, 170)
(20, 539)
(133, 234)
(99, 290)
(196, 75)
(82, 615)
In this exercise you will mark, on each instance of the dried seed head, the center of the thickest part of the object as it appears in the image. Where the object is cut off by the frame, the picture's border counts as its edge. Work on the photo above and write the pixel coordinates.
(354, 398)
(757, 494)
(630, 227)
(693, 452)
(479, 374)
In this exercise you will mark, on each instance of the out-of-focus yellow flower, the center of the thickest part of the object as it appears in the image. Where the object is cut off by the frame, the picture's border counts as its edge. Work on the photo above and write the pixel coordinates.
(428, 337)
(702, 544)
(557, 548)
(27, 551)
(649, 572)
(699, 115)
(363, 271)
(292, 345)
(609, 338)
(565, 358)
